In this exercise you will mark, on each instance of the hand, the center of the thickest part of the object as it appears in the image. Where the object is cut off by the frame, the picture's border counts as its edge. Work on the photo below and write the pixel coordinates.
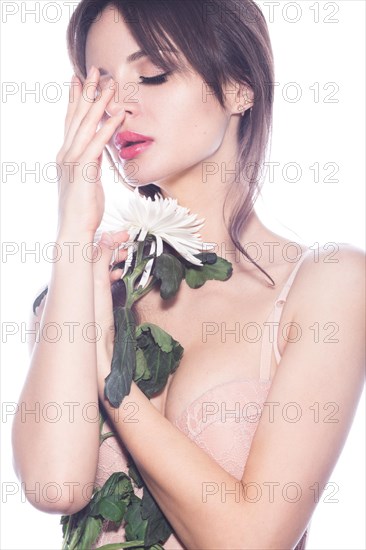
(81, 195)
(106, 251)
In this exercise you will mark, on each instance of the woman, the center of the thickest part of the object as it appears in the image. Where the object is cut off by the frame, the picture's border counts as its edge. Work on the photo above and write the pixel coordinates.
(224, 483)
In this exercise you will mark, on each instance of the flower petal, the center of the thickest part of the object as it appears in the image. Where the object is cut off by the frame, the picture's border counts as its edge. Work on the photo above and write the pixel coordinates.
(147, 271)
(162, 218)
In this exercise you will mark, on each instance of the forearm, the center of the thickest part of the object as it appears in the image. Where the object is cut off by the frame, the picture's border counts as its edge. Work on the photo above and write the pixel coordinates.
(62, 380)
(181, 477)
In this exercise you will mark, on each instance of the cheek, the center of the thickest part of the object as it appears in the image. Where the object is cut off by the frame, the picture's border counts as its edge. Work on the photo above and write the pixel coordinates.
(204, 130)
(192, 121)
(187, 130)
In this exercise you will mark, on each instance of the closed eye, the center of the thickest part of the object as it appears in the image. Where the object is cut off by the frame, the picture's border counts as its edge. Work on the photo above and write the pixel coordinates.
(159, 79)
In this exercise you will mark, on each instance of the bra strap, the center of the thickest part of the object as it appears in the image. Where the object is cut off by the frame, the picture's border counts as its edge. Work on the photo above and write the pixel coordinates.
(270, 332)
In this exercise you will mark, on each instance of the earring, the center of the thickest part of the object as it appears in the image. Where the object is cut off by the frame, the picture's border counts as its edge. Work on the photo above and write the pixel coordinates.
(241, 108)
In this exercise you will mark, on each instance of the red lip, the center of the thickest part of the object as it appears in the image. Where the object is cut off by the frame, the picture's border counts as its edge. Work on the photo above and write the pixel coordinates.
(126, 138)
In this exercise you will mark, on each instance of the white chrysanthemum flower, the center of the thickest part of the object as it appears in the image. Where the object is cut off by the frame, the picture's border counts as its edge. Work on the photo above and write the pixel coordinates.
(164, 219)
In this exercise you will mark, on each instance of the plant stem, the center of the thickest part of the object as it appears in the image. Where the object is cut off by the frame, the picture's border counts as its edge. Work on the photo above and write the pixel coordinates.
(118, 545)
(131, 294)
(105, 436)
(129, 283)
(142, 291)
(140, 251)
(64, 543)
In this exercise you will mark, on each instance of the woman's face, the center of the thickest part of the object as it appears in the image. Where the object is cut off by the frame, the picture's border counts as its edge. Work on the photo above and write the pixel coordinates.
(181, 115)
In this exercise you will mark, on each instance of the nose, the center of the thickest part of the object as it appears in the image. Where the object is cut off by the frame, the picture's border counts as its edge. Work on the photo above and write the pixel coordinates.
(125, 96)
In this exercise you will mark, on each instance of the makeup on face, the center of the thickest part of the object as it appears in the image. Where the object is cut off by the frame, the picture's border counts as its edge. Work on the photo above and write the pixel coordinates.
(129, 144)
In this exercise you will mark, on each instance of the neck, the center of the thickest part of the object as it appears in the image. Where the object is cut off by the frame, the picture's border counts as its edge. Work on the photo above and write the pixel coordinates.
(206, 200)
(203, 189)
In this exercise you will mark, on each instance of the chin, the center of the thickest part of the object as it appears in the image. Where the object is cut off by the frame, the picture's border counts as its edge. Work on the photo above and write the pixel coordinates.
(150, 172)
(136, 175)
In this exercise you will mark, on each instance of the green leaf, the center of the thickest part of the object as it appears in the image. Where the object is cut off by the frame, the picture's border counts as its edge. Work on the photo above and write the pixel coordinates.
(134, 474)
(123, 487)
(207, 257)
(102, 417)
(169, 270)
(92, 529)
(118, 381)
(135, 524)
(196, 276)
(158, 528)
(118, 484)
(80, 528)
(142, 370)
(136, 544)
(111, 484)
(153, 341)
(76, 534)
(77, 528)
(112, 508)
(161, 338)
(64, 521)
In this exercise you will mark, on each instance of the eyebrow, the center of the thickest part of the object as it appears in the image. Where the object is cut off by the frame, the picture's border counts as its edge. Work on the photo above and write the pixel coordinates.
(130, 59)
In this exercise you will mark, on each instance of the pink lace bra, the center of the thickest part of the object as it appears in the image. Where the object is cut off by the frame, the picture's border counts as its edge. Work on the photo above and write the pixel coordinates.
(222, 421)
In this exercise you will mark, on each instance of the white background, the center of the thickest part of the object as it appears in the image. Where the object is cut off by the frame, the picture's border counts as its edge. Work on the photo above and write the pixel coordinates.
(310, 52)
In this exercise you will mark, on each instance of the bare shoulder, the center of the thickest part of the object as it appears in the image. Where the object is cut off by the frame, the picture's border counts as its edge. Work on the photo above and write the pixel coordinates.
(339, 254)
(322, 364)
(333, 273)
(329, 305)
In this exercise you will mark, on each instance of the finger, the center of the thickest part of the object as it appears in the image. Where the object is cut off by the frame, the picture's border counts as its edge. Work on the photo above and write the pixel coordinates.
(115, 275)
(89, 126)
(120, 251)
(85, 99)
(80, 100)
(74, 95)
(109, 252)
(96, 146)
(82, 97)
(85, 122)
(120, 237)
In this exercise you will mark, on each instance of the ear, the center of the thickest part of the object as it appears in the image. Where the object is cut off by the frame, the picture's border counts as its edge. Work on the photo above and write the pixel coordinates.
(239, 98)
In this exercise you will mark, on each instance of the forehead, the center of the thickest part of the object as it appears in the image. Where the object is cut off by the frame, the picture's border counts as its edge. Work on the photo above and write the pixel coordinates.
(110, 43)
(109, 37)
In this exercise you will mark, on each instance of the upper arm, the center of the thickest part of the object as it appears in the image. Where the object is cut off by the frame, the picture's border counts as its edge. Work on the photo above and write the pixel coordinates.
(313, 397)
(36, 316)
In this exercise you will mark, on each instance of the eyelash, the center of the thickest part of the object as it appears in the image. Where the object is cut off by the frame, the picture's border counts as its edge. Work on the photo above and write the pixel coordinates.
(155, 80)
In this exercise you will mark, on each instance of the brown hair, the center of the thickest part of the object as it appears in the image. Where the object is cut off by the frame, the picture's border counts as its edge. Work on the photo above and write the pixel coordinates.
(224, 41)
